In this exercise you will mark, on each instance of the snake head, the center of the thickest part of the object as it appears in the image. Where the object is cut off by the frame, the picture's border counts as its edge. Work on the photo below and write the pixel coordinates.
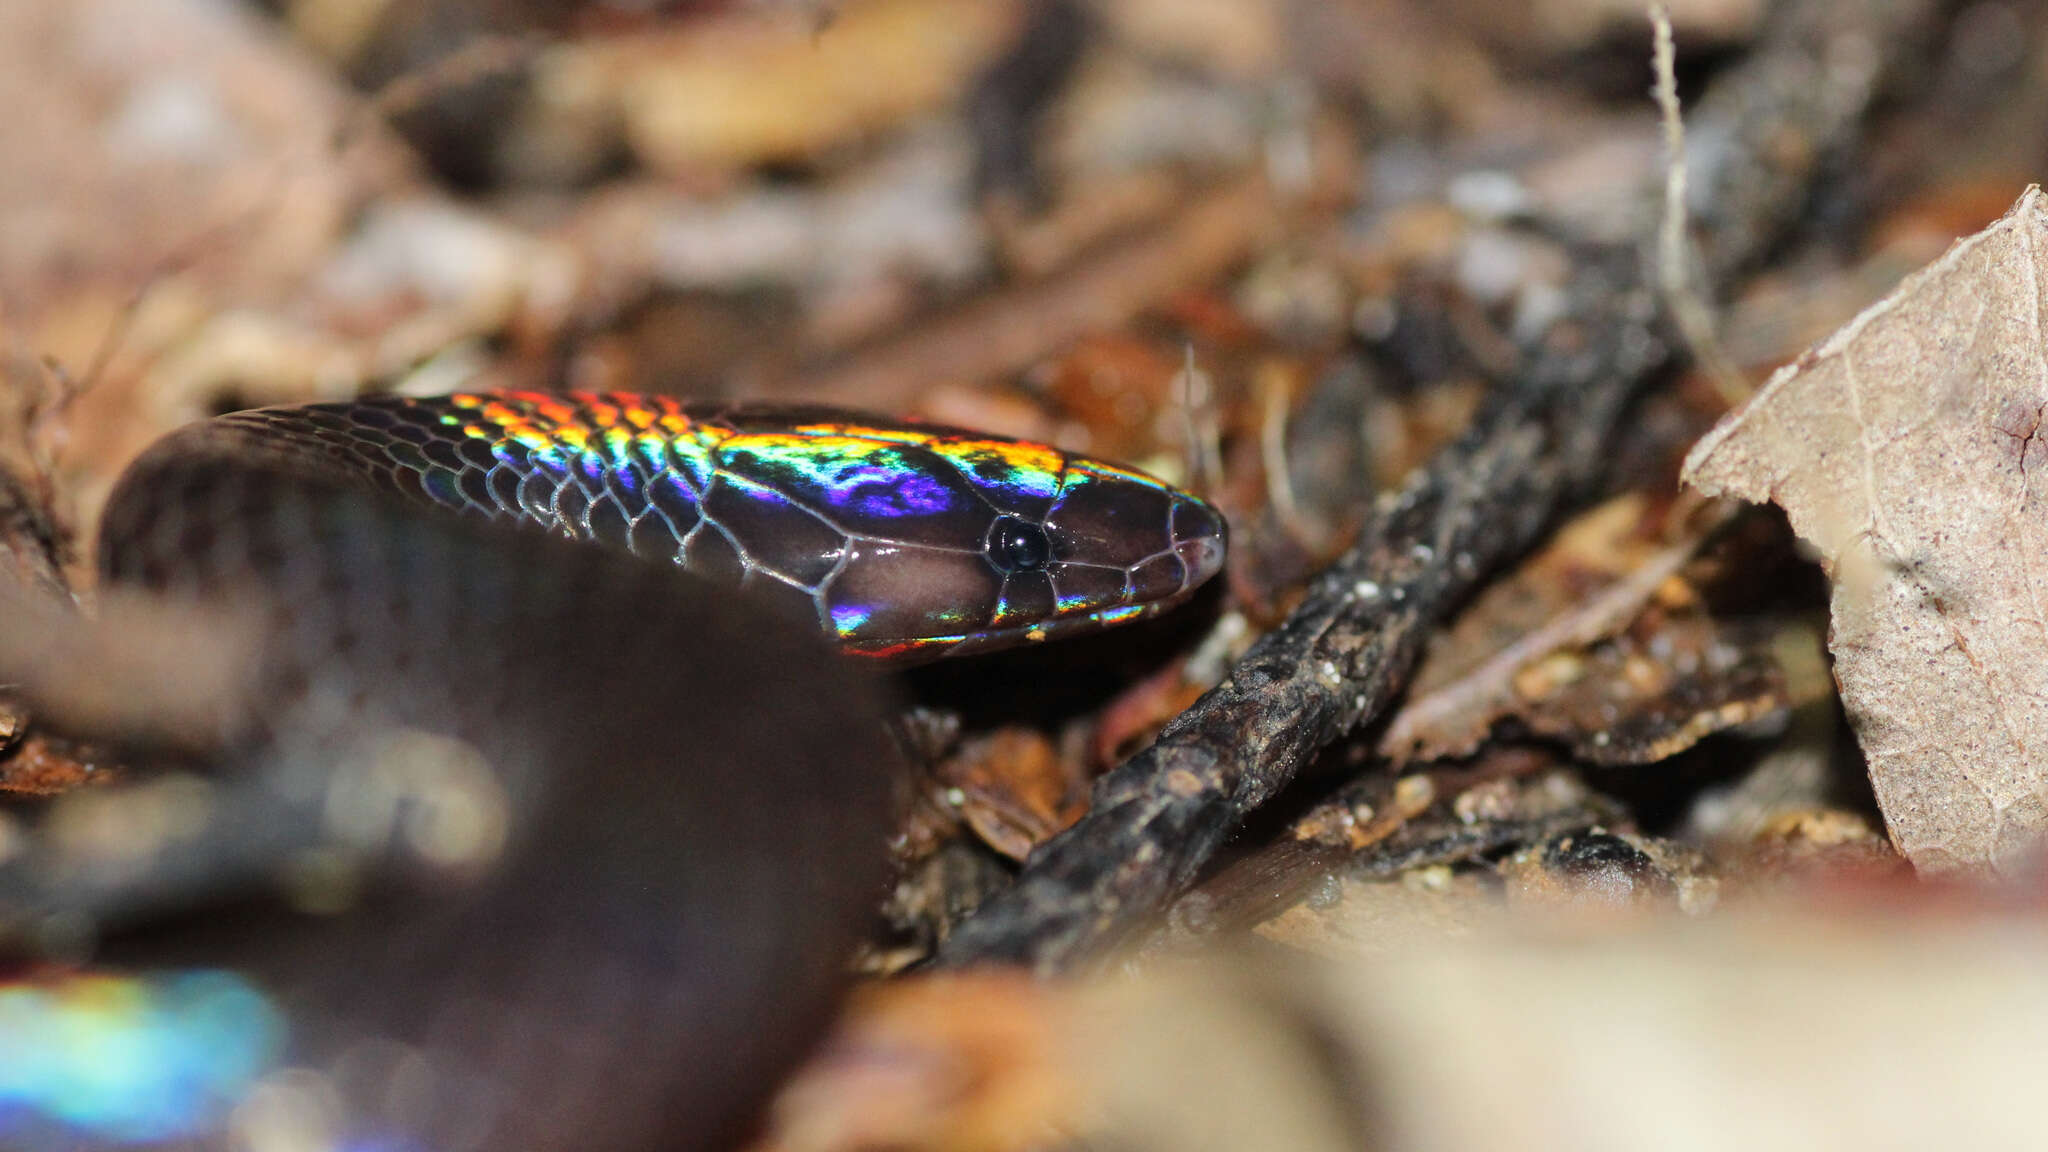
(990, 544)
(905, 541)
(947, 541)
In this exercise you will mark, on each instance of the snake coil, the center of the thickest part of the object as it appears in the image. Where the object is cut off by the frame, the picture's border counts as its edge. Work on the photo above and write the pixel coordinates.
(518, 843)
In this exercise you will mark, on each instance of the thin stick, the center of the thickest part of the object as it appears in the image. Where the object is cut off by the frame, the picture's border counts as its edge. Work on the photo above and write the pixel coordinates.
(1690, 312)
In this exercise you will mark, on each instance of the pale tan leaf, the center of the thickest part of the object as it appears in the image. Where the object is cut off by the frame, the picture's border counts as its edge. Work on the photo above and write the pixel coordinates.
(1909, 449)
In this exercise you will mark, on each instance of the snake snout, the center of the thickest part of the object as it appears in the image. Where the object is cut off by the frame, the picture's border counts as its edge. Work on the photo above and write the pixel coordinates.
(1200, 538)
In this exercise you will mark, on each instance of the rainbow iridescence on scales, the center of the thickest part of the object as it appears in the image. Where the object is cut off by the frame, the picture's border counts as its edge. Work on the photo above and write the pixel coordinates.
(111, 1059)
(904, 541)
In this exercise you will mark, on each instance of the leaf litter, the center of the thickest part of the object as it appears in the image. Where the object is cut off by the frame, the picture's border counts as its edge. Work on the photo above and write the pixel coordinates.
(1909, 449)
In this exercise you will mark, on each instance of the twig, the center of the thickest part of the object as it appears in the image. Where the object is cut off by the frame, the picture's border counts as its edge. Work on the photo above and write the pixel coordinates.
(480, 57)
(1195, 395)
(1690, 313)
(1274, 400)
(1340, 658)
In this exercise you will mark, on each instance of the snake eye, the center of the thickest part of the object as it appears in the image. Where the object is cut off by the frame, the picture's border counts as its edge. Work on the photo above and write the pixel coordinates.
(1017, 545)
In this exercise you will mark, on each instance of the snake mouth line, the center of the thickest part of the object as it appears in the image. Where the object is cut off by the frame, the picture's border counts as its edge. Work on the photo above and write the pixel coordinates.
(1195, 548)
(1207, 560)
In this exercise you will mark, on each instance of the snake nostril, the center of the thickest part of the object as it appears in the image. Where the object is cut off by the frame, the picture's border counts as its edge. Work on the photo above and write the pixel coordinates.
(1203, 557)
(1198, 536)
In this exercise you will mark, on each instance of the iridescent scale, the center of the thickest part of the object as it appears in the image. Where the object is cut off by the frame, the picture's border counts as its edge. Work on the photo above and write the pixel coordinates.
(883, 531)
(129, 1060)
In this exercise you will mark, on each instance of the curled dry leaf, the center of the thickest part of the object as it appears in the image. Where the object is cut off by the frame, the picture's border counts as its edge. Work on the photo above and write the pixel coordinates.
(1910, 449)
(1466, 680)
(1014, 790)
(1599, 643)
(1655, 691)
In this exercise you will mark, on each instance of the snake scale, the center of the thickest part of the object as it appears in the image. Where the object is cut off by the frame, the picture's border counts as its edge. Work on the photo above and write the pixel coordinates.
(520, 843)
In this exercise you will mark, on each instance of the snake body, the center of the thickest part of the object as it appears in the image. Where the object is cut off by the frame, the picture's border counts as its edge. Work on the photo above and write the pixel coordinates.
(589, 833)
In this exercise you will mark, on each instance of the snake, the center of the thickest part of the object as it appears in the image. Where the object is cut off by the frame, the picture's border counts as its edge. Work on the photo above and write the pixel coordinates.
(557, 794)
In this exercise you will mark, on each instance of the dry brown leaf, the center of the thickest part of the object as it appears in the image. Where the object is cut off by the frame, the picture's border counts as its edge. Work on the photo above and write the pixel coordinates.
(1910, 449)
(1670, 681)
(749, 87)
(1575, 646)
(148, 135)
(1012, 787)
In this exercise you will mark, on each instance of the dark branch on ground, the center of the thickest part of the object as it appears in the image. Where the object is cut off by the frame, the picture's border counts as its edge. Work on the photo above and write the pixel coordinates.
(1760, 139)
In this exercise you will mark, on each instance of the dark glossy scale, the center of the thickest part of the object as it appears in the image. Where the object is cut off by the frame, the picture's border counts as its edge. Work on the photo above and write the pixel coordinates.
(591, 839)
(903, 541)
